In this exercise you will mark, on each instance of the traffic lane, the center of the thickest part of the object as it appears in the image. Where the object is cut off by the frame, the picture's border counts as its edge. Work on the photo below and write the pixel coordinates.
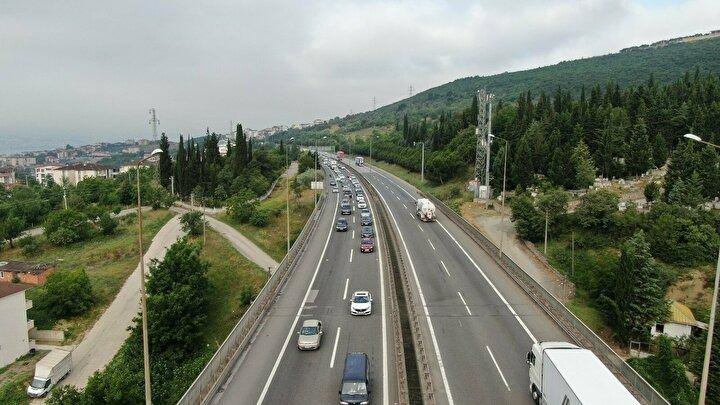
(307, 377)
(461, 327)
(541, 325)
(250, 372)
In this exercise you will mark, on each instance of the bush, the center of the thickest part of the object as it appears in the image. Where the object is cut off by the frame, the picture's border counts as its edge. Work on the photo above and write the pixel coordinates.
(64, 227)
(30, 248)
(242, 206)
(107, 224)
(260, 219)
(596, 209)
(247, 295)
(26, 240)
(66, 293)
(192, 223)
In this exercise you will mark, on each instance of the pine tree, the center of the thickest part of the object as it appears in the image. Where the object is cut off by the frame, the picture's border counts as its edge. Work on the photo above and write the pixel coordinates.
(523, 172)
(640, 157)
(636, 298)
(583, 166)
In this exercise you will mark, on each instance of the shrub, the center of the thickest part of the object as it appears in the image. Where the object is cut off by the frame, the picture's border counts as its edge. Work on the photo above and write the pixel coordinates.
(192, 223)
(67, 293)
(64, 227)
(108, 225)
(26, 240)
(260, 218)
(242, 206)
(30, 248)
(247, 295)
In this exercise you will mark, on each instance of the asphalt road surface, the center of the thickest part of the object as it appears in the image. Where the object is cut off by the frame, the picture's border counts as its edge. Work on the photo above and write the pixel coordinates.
(479, 324)
(273, 371)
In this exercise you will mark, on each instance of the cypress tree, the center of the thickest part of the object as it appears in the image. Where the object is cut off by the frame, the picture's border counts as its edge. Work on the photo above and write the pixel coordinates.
(250, 150)
(180, 168)
(165, 162)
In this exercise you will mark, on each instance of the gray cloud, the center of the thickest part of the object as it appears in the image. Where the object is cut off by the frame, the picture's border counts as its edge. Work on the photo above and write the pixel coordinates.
(86, 70)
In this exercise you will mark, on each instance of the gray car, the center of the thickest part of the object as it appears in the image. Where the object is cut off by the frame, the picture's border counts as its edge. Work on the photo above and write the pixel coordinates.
(310, 335)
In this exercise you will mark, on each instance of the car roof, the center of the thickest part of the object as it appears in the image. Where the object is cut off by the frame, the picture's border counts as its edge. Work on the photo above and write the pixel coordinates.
(366, 240)
(342, 219)
(360, 293)
(310, 323)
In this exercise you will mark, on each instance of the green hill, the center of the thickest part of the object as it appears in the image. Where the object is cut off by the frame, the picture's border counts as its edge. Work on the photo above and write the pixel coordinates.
(627, 68)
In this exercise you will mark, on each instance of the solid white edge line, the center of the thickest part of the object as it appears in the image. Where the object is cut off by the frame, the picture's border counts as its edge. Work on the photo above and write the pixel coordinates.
(299, 312)
(464, 303)
(502, 298)
(385, 384)
(337, 339)
(347, 281)
(436, 347)
(498, 367)
(431, 245)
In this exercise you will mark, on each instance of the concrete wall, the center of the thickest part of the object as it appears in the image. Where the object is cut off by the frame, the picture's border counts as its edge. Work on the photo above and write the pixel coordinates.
(13, 328)
(673, 330)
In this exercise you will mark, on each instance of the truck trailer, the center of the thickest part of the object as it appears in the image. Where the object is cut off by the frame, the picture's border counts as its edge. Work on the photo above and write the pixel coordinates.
(359, 161)
(425, 210)
(52, 368)
(562, 373)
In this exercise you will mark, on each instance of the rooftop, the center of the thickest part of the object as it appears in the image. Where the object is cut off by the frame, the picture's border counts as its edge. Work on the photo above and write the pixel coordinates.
(84, 166)
(23, 267)
(11, 288)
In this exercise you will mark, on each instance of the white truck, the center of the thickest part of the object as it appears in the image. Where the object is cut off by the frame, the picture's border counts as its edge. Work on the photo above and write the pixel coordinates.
(359, 161)
(562, 373)
(425, 209)
(52, 368)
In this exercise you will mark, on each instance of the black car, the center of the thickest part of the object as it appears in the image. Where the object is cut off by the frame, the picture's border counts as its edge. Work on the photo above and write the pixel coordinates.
(367, 232)
(345, 208)
(341, 225)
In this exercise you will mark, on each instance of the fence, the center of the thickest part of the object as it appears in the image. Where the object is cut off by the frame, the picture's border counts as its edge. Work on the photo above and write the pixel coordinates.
(215, 372)
(573, 326)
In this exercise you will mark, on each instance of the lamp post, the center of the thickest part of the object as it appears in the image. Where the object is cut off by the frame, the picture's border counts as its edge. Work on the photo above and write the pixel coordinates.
(287, 192)
(502, 204)
(422, 161)
(316, 164)
(143, 303)
(713, 307)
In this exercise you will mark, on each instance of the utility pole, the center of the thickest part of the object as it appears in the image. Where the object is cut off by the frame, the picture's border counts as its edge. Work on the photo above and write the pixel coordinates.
(487, 151)
(172, 185)
(546, 229)
(65, 197)
(154, 122)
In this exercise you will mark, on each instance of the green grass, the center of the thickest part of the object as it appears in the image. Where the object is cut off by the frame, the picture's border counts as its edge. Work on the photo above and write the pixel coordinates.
(15, 377)
(108, 261)
(589, 315)
(273, 238)
(229, 272)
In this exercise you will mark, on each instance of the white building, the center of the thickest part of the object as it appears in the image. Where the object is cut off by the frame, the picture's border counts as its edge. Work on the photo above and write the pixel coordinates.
(7, 177)
(18, 161)
(680, 323)
(44, 173)
(75, 173)
(14, 341)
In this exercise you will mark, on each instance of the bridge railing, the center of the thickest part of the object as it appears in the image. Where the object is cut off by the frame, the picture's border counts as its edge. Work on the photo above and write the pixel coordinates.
(215, 372)
(572, 325)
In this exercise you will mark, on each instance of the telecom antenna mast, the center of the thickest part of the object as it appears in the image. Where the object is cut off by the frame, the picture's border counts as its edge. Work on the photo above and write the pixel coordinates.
(482, 147)
(154, 122)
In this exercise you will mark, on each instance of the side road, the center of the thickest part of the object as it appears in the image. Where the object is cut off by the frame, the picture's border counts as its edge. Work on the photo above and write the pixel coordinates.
(239, 242)
(110, 331)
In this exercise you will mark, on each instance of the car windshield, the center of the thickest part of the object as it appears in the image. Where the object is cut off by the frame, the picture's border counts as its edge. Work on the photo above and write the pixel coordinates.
(365, 215)
(361, 299)
(342, 222)
(354, 388)
(39, 383)
(309, 330)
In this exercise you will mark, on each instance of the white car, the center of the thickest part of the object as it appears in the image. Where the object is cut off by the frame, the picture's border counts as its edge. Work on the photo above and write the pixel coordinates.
(361, 303)
(335, 189)
(361, 204)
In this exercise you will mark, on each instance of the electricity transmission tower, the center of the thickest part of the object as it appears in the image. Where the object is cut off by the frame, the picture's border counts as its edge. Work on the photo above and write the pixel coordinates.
(374, 102)
(410, 91)
(154, 122)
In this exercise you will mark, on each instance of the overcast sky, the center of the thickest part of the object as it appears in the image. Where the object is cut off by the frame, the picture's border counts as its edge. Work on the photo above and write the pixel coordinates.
(84, 71)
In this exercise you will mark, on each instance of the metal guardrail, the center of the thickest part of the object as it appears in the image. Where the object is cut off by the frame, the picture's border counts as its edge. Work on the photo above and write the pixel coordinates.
(213, 375)
(572, 325)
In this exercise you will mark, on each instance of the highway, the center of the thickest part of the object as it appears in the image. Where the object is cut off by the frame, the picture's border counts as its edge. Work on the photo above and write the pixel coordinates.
(479, 323)
(272, 370)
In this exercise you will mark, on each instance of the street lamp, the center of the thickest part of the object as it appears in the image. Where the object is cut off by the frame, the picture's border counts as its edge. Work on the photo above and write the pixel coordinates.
(422, 161)
(711, 325)
(316, 162)
(143, 303)
(502, 208)
(287, 192)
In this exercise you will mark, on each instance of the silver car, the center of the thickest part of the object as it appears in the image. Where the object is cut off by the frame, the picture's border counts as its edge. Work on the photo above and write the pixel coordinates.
(310, 335)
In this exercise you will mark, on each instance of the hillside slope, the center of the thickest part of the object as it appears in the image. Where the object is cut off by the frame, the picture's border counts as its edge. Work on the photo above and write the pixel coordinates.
(625, 68)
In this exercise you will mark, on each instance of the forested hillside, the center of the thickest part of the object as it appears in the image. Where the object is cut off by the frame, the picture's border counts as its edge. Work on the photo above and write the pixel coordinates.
(623, 69)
